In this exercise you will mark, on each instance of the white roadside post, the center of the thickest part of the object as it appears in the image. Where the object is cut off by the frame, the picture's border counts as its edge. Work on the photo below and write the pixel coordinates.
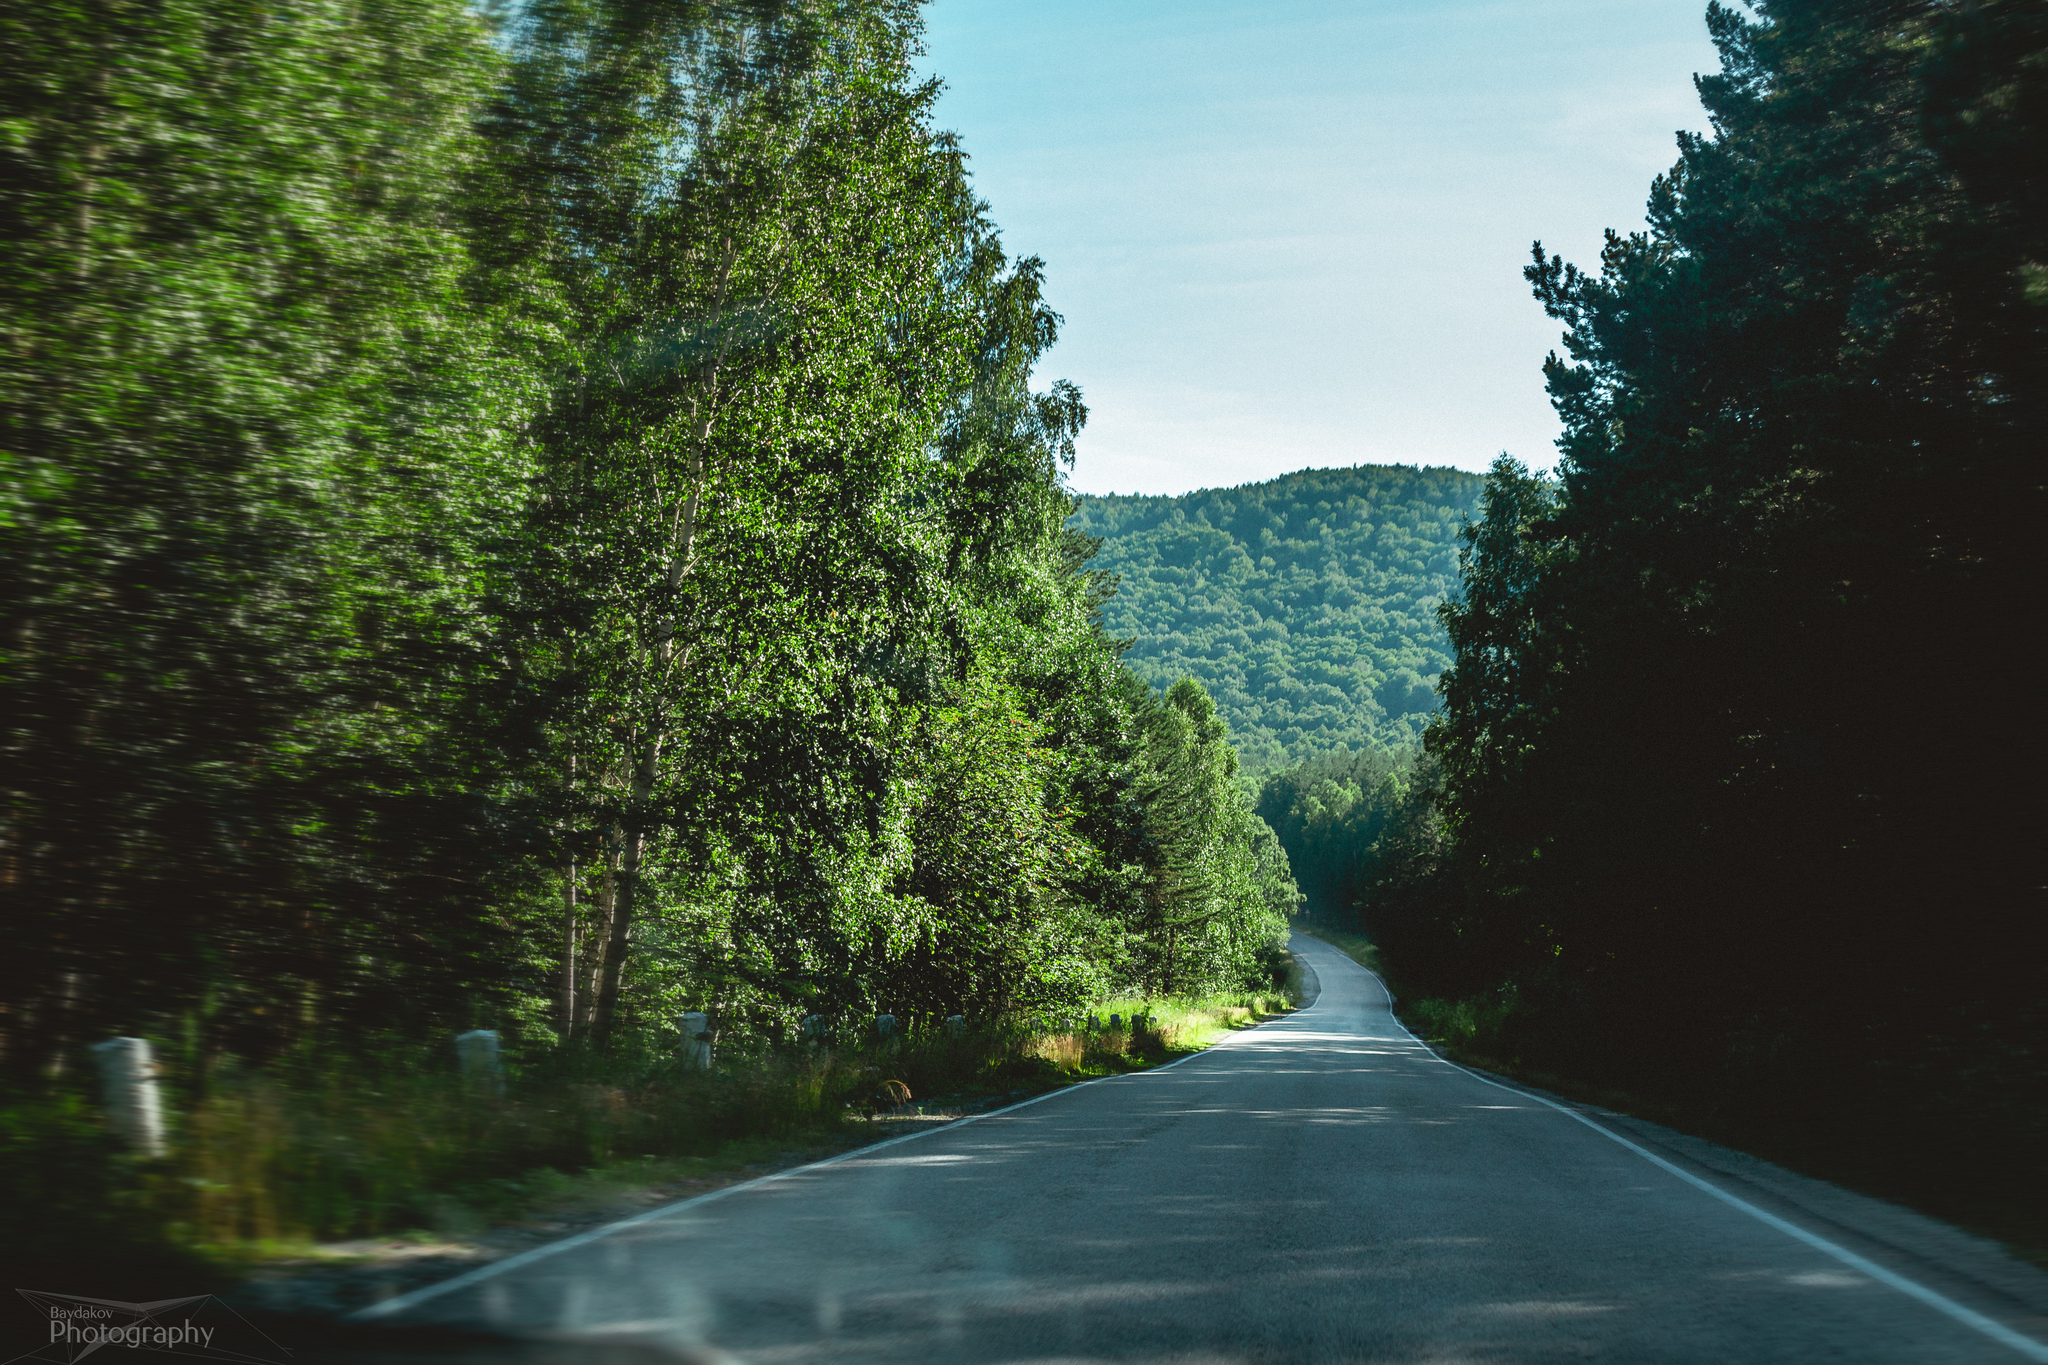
(956, 1024)
(128, 1093)
(697, 1040)
(885, 1026)
(478, 1052)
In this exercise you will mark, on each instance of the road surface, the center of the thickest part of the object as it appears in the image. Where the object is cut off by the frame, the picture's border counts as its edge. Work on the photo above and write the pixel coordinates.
(1321, 1188)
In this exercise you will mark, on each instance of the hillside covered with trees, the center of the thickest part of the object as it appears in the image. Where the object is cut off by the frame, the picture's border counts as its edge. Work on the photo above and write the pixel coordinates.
(546, 527)
(1305, 605)
(1682, 830)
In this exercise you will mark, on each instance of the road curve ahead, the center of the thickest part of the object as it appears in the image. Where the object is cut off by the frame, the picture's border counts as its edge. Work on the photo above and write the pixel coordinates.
(1321, 1188)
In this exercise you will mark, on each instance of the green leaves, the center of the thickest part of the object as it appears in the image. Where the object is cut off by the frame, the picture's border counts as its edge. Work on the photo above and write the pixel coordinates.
(1304, 605)
(543, 526)
(1687, 810)
(253, 411)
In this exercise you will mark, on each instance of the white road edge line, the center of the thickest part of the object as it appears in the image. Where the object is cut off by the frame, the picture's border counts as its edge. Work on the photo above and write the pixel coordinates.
(1941, 1303)
(400, 1303)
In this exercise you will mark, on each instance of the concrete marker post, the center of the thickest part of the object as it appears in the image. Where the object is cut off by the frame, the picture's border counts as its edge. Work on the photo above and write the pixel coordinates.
(477, 1052)
(697, 1040)
(128, 1093)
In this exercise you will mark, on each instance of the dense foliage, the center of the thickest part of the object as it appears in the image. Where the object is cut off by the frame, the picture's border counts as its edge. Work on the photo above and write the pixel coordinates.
(1305, 605)
(546, 527)
(1328, 813)
(1694, 833)
(255, 426)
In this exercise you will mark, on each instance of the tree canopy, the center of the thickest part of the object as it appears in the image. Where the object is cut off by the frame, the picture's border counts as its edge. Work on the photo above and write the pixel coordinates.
(541, 519)
(1691, 821)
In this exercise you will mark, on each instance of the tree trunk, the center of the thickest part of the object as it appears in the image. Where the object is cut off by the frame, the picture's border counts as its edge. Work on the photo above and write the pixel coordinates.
(593, 961)
(624, 896)
(569, 951)
(647, 768)
(569, 933)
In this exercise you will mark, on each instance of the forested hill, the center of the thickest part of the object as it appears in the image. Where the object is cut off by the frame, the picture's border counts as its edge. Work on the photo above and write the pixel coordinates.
(1305, 605)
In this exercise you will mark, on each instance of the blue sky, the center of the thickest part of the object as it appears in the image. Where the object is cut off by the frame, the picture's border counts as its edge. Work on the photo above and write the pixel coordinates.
(1288, 235)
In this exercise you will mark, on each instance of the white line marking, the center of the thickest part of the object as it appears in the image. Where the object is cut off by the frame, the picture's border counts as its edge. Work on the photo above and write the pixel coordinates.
(434, 1291)
(1941, 1303)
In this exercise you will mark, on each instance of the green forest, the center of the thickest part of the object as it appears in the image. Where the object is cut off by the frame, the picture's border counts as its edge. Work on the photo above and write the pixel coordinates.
(1683, 835)
(555, 519)
(540, 521)
(1304, 605)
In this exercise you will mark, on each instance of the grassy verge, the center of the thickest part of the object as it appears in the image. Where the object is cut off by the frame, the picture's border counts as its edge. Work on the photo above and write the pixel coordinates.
(1174, 1028)
(278, 1163)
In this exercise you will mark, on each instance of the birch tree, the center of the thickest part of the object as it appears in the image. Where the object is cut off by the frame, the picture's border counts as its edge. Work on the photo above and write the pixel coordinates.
(766, 247)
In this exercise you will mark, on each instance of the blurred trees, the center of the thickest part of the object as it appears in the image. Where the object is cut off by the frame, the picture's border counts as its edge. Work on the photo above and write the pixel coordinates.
(257, 427)
(545, 526)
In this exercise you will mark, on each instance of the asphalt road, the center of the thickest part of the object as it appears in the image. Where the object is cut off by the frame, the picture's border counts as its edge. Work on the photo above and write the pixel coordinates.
(1321, 1188)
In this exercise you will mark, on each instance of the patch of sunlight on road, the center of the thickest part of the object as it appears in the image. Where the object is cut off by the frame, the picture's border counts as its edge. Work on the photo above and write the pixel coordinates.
(1292, 1037)
(1376, 1114)
(1827, 1279)
(1446, 1241)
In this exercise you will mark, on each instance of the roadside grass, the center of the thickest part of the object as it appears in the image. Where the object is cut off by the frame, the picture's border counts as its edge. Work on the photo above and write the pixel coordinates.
(543, 1194)
(1175, 1027)
(278, 1162)
(1187, 1026)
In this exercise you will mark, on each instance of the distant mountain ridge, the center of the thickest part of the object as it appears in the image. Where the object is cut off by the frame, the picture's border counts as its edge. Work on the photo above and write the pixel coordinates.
(1305, 605)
